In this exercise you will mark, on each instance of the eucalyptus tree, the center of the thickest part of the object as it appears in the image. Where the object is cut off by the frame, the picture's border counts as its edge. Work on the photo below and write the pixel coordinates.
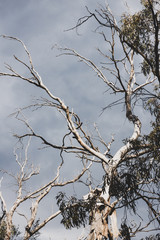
(131, 173)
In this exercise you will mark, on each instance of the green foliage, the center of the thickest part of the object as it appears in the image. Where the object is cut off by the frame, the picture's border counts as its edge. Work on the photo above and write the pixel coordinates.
(124, 185)
(75, 212)
(138, 31)
(125, 233)
(152, 237)
(141, 168)
(37, 234)
(153, 139)
(145, 67)
(14, 232)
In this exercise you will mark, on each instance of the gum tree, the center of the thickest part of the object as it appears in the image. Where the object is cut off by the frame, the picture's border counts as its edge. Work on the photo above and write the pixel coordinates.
(131, 174)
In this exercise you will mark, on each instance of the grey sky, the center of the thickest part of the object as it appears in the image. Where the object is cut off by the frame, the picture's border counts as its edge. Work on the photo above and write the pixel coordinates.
(41, 24)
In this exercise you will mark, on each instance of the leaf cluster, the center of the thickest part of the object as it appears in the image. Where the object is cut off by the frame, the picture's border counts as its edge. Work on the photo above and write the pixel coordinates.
(75, 212)
(138, 31)
(125, 233)
(14, 231)
(132, 175)
(124, 185)
(143, 168)
(152, 237)
(153, 138)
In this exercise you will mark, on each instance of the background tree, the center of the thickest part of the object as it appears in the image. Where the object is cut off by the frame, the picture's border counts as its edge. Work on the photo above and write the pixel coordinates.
(131, 173)
(26, 172)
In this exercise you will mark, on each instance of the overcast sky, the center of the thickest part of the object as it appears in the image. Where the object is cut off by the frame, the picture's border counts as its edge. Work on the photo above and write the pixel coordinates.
(41, 24)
